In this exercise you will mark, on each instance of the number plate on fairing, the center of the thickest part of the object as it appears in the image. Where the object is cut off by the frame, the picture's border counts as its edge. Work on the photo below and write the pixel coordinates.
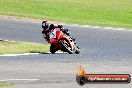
(53, 34)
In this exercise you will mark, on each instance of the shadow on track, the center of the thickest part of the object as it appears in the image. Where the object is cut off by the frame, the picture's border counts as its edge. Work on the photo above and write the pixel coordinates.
(51, 53)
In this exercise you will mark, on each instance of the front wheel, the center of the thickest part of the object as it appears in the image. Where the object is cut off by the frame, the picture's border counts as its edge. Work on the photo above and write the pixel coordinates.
(66, 47)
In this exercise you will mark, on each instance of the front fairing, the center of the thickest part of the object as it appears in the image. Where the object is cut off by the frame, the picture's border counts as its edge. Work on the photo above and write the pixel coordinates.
(55, 36)
(69, 40)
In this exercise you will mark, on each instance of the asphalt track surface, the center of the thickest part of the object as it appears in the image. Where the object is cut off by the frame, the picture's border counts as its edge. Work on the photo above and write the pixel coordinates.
(103, 51)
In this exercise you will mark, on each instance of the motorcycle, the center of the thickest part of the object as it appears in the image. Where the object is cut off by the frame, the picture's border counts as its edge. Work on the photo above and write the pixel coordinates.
(63, 42)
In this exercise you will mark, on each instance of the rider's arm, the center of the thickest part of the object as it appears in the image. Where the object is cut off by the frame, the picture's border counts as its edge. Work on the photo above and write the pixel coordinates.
(53, 26)
(66, 31)
(58, 26)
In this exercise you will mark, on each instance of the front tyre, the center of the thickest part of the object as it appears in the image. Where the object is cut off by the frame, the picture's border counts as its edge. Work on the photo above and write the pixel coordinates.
(66, 47)
(52, 49)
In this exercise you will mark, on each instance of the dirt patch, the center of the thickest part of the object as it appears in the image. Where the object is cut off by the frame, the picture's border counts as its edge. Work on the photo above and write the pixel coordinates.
(28, 19)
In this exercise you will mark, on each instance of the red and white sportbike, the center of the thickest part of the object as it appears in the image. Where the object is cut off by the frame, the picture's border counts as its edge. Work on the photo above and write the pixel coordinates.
(63, 42)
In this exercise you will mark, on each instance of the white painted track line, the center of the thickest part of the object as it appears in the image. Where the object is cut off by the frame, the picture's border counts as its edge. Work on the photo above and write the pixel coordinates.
(19, 80)
(19, 54)
(99, 27)
(9, 55)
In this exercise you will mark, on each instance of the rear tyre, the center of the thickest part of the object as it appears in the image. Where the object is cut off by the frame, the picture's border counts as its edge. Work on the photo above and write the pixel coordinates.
(52, 49)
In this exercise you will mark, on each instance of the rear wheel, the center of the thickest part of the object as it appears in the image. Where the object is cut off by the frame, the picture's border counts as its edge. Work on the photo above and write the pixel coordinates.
(52, 48)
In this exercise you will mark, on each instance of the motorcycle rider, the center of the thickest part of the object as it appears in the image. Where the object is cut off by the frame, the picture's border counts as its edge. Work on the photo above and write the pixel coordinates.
(47, 28)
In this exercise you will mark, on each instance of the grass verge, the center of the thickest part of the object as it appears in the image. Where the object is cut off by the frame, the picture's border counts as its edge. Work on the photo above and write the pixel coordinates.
(11, 47)
(115, 13)
(5, 84)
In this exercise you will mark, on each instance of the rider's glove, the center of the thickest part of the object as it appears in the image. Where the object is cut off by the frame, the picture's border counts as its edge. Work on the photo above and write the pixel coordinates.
(66, 31)
(60, 26)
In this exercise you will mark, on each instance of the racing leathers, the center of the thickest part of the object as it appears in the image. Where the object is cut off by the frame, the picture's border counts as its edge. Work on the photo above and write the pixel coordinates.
(47, 30)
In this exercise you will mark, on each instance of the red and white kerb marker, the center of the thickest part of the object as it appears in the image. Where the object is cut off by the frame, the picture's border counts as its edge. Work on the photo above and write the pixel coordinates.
(83, 78)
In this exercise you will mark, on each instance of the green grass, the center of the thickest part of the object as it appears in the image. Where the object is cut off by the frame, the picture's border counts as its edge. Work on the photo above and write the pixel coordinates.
(5, 84)
(116, 13)
(9, 47)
